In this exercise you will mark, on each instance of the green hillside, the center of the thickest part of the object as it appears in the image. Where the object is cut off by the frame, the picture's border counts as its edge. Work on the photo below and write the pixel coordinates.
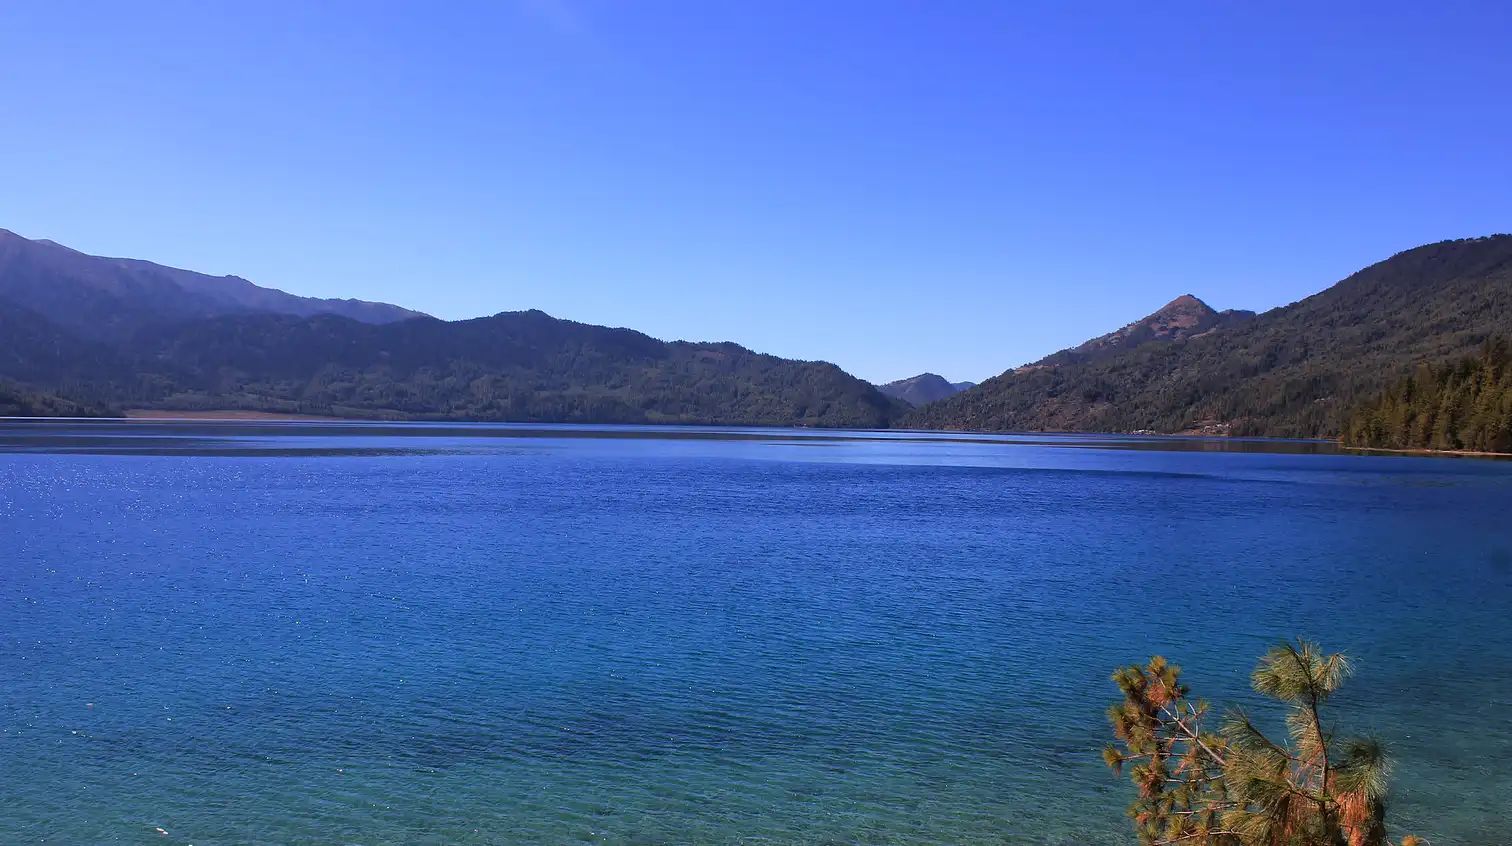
(1461, 405)
(18, 402)
(1295, 371)
(521, 366)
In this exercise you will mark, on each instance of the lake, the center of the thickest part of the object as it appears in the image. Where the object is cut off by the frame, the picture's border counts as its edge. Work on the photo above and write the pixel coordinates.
(304, 633)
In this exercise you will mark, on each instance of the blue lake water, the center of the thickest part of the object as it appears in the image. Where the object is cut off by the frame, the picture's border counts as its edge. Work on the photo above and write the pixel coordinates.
(349, 634)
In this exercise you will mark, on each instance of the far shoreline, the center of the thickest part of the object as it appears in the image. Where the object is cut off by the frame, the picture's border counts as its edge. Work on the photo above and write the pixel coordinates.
(223, 414)
(240, 415)
(1467, 453)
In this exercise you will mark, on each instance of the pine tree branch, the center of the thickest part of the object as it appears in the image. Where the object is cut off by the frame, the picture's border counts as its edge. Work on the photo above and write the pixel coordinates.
(1317, 727)
(1219, 833)
(1192, 735)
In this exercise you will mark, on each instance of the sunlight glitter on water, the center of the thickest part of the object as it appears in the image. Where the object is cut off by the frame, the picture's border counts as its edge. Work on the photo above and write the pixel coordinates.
(306, 636)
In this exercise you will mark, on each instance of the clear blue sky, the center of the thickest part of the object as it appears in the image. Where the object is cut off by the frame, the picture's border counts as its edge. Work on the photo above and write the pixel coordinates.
(893, 186)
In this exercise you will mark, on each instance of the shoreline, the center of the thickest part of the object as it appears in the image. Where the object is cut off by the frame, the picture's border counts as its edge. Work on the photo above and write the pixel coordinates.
(1468, 453)
(222, 414)
(238, 415)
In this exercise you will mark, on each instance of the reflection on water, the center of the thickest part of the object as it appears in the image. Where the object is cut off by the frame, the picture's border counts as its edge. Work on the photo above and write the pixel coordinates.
(314, 438)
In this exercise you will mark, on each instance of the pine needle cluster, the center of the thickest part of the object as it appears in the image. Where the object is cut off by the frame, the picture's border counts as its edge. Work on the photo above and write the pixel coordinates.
(1236, 786)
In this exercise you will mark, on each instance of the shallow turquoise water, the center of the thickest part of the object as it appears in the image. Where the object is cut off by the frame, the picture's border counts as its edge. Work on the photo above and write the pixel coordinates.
(313, 634)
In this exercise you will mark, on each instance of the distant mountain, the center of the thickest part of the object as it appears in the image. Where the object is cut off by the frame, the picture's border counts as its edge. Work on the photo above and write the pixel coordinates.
(516, 366)
(1181, 318)
(923, 388)
(1294, 371)
(100, 297)
(79, 332)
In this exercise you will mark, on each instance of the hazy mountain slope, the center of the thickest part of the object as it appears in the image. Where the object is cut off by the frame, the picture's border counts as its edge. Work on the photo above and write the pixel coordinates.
(34, 349)
(1293, 371)
(921, 389)
(102, 297)
(524, 366)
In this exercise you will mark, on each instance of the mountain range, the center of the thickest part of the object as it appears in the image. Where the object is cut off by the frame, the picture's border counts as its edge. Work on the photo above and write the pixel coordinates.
(99, 334)
(84, 335)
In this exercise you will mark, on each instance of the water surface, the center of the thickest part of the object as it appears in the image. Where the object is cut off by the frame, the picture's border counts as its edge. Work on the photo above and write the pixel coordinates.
(375, 634)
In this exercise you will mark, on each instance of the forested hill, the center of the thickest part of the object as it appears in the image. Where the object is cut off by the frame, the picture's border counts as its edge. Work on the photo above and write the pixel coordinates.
(1461, 405)
(17, 402)
(81, 333)
(1295, 371)
(520, 366)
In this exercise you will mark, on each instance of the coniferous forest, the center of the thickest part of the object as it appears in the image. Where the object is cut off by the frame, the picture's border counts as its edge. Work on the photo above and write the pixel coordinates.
(1462, 405)
(17, 402)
